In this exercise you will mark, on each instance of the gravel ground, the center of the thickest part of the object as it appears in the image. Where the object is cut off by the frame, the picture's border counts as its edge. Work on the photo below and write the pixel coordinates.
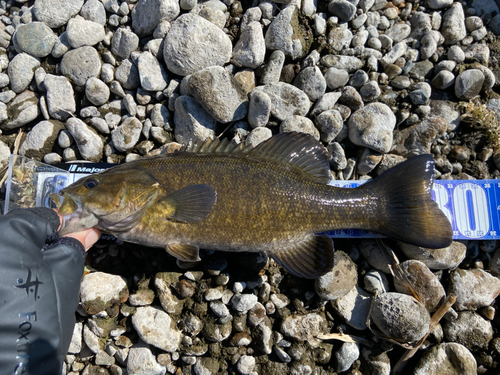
(376, 82)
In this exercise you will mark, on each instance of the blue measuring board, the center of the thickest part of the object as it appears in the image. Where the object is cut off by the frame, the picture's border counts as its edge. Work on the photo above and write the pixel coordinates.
(472, 206)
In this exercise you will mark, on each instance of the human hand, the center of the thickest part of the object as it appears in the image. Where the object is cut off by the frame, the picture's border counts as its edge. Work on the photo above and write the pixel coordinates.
(87, 238)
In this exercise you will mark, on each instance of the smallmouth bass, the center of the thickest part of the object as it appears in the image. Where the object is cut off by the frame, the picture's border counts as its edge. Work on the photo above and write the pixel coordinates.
(272, 198)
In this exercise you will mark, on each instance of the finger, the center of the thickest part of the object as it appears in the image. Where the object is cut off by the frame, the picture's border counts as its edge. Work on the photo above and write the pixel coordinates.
(87, 237)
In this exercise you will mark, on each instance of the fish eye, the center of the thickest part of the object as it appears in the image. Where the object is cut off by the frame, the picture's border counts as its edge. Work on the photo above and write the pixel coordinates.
(90, 183)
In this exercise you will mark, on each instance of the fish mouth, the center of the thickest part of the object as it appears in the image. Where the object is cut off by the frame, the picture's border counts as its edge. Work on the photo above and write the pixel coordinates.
(74, 217)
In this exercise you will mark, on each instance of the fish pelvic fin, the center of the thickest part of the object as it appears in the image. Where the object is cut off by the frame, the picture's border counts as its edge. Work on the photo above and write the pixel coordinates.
(410, 215)
(308, 259)
(191, 204)
(184, 252)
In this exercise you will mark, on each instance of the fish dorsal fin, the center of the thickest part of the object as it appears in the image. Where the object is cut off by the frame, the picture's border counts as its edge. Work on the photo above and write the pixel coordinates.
(309, 259)
(191, 204)
(184, 251)
(299, 150)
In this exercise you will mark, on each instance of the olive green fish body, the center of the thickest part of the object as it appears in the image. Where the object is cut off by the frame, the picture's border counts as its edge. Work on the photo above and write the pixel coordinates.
(271, 198)
(261, 206)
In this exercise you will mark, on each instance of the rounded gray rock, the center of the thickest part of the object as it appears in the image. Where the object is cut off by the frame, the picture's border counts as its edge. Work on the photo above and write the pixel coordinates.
(219, 93)
(193, 43)
(140, 360)
(35, 38)
(191, 121)
(311, 81)
(40, 140)
(23, 109)
(21, 71)
(286, 100)
(81, 32)
(340, 280)
(124, 42)
(259, 109)
(400, 317)
(97, 91)
(304, 327)
(99, 291)
(453, 24)
(422, 281)
(60, 97)
(299, 124)
(336, 78)
(126, 135)
(243, 302)
(93, 10)
(343, 9)
(285, 34)
(155, 327)
(330, 124)
(147, 14)
(56, 13)
(437, 259)
(443, 80)
(88, 142)
(258, 135)
(474, 288)
(447, 358)
(346, 355)
(80, 64)
(128, 75)
(152, 74)
(468, 84)
(470, 329)
(250, 49)
(354, 307)
(372, 127)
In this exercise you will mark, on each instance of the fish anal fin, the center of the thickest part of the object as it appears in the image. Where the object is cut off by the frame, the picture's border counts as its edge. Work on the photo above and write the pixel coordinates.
(191, 204)
(308, 259)
(184, 251)
(299, 150)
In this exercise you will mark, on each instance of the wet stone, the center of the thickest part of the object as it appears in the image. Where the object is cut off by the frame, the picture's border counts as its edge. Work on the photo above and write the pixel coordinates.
(474, 288)
(340, 280)
(400, 317)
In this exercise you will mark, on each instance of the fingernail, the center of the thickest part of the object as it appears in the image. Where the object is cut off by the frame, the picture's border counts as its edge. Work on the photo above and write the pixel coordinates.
(91, 238)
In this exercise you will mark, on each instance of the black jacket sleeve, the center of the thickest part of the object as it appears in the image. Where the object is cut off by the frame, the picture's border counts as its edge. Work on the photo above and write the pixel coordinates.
(40, 276)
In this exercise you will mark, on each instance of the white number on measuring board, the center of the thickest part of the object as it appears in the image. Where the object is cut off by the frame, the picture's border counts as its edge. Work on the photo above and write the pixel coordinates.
(471, 208)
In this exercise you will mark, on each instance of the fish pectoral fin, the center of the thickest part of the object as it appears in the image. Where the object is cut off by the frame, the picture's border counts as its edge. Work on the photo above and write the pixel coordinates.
(309, 259)
(184, 251)
(191, 204)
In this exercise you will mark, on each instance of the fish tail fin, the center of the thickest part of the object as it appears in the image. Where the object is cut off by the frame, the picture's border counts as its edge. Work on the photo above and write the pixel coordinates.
(410, 215)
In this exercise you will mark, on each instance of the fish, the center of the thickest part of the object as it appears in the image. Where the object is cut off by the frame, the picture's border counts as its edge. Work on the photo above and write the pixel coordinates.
(272, 198)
